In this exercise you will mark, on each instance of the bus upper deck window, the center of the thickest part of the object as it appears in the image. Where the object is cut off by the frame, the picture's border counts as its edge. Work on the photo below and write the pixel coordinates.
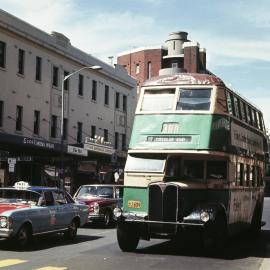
(158, 100)
(194, 99)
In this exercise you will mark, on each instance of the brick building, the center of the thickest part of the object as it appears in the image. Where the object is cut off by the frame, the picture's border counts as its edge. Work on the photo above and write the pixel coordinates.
(142, 63)
(178, 55)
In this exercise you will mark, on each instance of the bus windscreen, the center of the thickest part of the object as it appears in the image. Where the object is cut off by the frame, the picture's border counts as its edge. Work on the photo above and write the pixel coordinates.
(143, 164)
(194, 99)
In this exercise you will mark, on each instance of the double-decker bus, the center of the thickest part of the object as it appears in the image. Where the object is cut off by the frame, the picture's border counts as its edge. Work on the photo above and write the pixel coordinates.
(195, 162)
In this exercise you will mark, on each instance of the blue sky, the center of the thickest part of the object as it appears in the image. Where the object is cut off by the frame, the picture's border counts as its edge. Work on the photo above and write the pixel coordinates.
(235, 33)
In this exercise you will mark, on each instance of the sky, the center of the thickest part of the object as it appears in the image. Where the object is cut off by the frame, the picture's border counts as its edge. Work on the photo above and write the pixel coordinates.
(235, 33)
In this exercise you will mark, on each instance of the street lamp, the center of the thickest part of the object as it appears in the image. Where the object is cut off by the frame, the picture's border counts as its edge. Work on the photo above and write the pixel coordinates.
(62, 119)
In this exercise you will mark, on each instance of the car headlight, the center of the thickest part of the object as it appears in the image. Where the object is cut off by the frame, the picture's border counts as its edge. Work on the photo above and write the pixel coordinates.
(96, 208)
(205, 216)
(4, 222)
(117, 212)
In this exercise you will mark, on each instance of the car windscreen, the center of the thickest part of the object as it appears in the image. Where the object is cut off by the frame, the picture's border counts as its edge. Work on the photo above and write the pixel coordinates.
(18, 196)
(95, 191)
(144, 164)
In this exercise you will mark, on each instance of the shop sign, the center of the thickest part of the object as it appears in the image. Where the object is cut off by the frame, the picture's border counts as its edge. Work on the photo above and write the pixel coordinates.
(11, 160)
(77, 151)
(38, 143)
(11, 167)
(99, 148)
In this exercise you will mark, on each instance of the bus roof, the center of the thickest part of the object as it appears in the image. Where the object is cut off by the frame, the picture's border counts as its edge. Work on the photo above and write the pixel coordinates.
(185, 78)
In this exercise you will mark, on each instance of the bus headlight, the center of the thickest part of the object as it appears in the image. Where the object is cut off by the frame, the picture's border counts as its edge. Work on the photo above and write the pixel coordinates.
(117, 212)
(3, 222)
(205, 216)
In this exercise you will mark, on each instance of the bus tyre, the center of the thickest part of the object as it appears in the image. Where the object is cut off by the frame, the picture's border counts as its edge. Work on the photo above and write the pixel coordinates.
(256, 221)
(215, 236)
(127, 236)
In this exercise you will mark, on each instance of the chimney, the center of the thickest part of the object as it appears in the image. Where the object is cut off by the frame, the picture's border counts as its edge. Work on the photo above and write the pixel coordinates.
(191, 57)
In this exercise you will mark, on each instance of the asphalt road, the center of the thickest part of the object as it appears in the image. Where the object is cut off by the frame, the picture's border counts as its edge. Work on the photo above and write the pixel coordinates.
(96, 248)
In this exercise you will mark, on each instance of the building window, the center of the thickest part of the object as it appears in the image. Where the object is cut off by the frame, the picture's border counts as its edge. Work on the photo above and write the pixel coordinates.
(93, 132)
(149, 70)
(21, 61)
(117, 96)
(66, 82)
(1, 112)
(65, 123)
(106, 97)
(137, 68)
(124, 146)
(55, 76)
(53, 126)
(36, 122)
(174, 65)
(19, 115)
(116, 138)
(124, 103)
(2, 54)
(106, 135)
(80, 85)
(94, 90)
(79, 132)
(38, 68)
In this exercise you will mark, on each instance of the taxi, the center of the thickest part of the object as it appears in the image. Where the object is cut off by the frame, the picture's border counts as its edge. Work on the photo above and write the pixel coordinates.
(28, 211)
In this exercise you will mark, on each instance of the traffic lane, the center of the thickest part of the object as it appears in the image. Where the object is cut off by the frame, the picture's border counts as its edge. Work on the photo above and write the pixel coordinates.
(53, 251)
(240, 253)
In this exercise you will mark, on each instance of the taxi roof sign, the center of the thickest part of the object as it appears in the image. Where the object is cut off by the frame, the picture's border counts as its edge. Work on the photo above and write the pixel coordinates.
(21, 185)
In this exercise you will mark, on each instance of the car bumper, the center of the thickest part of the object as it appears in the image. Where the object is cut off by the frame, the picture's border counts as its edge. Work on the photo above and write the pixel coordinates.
(6, 233)
(95, 217)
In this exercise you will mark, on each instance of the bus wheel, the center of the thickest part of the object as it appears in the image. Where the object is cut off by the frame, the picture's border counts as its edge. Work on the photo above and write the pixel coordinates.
(215, 236)
(127, 236)
(256, 221)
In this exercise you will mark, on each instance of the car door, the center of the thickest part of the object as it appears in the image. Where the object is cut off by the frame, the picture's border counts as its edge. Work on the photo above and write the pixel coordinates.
(49, 204)
(64, 209)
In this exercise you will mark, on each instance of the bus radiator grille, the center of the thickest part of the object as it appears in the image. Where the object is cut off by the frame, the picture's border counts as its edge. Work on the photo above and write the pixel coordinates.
(163, 202)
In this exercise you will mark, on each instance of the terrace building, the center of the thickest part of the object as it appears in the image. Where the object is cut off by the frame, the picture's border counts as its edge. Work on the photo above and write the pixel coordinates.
(99, 105)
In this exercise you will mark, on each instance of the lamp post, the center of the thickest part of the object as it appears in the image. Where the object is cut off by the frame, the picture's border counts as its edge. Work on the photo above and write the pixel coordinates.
(62, 119)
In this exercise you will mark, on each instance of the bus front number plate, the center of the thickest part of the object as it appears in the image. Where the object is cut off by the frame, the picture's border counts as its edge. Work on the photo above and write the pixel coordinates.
(134, 204)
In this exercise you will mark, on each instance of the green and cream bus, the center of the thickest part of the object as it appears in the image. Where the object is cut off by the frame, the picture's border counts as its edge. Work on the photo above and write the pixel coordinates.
(195, 161)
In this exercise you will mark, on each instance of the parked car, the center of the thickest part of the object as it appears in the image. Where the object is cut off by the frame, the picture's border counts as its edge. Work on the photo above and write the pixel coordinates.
(28, 211)
(101, 200)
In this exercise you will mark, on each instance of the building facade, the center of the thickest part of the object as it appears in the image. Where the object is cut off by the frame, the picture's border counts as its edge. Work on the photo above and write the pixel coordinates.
(98, 106)
(178, 55)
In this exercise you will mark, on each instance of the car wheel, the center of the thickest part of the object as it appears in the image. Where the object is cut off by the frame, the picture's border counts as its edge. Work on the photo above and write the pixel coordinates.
(71, 233)
(127, 236)
(107, 219)
(23, 237)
